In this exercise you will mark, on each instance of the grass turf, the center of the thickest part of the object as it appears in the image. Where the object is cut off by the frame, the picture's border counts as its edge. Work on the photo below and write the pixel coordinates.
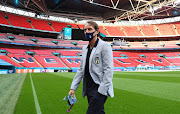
(10, 88)
(135, 93)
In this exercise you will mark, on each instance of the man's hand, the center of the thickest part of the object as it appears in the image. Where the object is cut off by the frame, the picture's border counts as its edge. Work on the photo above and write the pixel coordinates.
(71, 92)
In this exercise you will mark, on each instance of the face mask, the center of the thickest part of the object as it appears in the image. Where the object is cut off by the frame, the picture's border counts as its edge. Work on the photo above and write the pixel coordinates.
(89, 36)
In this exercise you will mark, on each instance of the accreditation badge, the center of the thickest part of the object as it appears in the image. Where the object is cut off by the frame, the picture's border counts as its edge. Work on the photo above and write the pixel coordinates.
(97, 60)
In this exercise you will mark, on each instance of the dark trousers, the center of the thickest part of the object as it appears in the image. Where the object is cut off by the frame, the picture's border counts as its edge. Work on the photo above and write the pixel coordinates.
(96, 102)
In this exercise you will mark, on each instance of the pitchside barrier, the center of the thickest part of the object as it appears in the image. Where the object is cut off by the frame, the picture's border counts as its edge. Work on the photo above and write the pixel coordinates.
(41, 70)
(174, 66)
(145, 66)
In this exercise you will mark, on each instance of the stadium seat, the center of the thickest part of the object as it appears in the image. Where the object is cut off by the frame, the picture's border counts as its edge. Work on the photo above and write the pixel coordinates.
(166, 29)
(103, 31)
(16, 51)
(43, 52)
(174, 61)
(114, 31)
(149, 30)
(3, 20)
(160, 61)
(132, 31)
(58, 26)
(50, 61)
(68, 53)
(25, 60)
(19, 21)
(125, 62)
(41, 24)
(9, 60)
(72, 62)
(142, 60)
(177, 25)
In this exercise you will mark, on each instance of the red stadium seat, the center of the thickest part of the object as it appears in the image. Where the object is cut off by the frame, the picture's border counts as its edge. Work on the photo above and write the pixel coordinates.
(68, 53)
(149, 30)
(125, 62)
(3, 20)
(43, 52)
(72, 62)
(160, 61)
(101, 28)
(50, 61)
(115, 31)
(25, 60)
(16, 51)
(177, 25)
(141, 60)
(40, 24)
(58, 26)
(19, 21)
(132, 31)
(166, 29)
(174, 61)
(9, 60)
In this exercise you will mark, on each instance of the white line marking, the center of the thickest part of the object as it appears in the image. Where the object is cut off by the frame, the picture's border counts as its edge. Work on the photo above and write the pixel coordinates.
(38, 109)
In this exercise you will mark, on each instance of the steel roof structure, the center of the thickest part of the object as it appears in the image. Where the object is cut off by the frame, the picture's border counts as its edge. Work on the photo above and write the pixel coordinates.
(103, 10)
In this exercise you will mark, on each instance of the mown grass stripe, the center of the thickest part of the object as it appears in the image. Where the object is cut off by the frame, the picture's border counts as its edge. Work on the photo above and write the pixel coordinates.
(146, 74)
(10, 92)
(38, 109)
(151, 78)
(159, 89)
(52, 87)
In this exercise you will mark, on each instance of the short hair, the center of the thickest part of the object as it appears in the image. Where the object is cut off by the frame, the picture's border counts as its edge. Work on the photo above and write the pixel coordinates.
(94, 25)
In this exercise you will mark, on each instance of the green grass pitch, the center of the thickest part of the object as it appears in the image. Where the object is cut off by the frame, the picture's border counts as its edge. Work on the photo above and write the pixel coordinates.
(135, 93)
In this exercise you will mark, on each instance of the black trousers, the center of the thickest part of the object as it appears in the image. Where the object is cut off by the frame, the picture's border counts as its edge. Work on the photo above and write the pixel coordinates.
(96, 102)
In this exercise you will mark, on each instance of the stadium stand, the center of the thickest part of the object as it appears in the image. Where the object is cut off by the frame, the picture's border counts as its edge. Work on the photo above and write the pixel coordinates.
(16, 51)
(141, 60)
(42, 52)
(111, 31)
(149, 54)
(159, 60)
(68, 53)
(6, 37)
(19, 21)
(116, 54)
(9, 60)
(170, 54)
(72, 62)
(58, 26)
(136, 44)
(23, 41)
(125, 62)
(177, 26)
(25, 60)
(174, 61)
(50, 62)
(166, 29)
(40, 24)
(75, 25)
(103, 31)
(149, 30)
(117, 65)
(2, 19)
(132, 31)
(46, 43)
(69, 50)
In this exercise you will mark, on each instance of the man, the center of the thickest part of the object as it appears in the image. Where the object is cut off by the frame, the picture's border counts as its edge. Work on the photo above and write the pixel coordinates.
(96, 69)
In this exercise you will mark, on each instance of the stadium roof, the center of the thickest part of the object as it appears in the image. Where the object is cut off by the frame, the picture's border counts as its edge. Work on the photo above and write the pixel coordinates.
(103, 10)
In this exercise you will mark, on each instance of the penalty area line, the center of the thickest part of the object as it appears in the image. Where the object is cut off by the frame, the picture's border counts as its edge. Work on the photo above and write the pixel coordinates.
(38, 109)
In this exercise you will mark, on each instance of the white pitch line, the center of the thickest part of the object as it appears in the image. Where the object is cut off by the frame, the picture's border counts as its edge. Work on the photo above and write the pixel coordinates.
(38, 109)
